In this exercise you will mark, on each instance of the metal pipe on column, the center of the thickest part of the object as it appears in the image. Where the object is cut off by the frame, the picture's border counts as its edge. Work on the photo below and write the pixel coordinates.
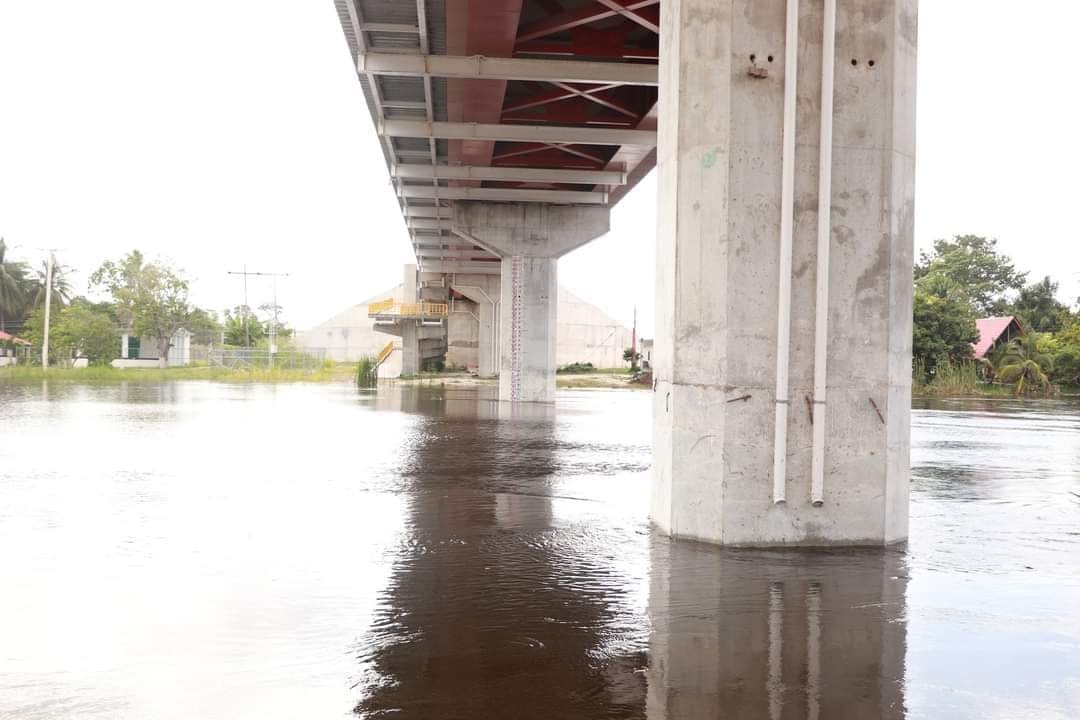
(787, 223)
(821, 323)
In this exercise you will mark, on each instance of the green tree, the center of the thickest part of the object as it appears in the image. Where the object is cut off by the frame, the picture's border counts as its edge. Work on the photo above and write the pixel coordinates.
(1067, 367)
(1067, 355)
(13, 280)
(61, 286)
(242, 325)
(631, 357)
(1024, 365)
(944, 324)
(1038, 307)
(84, 330)
(204, 326)
(974, 265)
(151, 297)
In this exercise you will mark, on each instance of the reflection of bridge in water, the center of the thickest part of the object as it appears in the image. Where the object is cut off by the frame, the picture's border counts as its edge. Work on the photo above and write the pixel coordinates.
(519, 595)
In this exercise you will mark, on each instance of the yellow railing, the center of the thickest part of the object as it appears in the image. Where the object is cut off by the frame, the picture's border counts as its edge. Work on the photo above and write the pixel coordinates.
(385, 353)
(424, 309)
(377, 308)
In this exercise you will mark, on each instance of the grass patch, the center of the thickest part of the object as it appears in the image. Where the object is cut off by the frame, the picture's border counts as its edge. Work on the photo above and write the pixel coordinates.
(367, 372)
(955, 381)
(107, 374)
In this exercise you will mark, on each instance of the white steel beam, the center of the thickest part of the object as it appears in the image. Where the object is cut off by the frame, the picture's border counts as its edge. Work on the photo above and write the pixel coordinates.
(478, 66)
(404, 104)
(567, 197)
(478, 268)
(427, 211)
(415, 223)
(516, 133)
(509, 174)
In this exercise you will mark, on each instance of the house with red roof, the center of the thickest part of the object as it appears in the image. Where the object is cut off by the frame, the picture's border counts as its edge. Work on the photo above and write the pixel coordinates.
(995, 331)
(8, 347)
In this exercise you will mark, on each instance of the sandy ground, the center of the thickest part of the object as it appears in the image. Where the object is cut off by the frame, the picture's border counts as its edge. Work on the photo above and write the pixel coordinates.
(595, 381)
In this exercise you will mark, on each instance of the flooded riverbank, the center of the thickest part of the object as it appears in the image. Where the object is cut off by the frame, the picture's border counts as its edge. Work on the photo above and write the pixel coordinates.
(223, 551)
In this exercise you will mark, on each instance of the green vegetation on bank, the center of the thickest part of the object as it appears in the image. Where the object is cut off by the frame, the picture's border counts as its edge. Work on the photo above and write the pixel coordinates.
(967, 278)
(106, 374)
(367, 372)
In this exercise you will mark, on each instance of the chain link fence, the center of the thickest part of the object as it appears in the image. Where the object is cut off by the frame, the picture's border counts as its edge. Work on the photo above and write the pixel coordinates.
(252, 358)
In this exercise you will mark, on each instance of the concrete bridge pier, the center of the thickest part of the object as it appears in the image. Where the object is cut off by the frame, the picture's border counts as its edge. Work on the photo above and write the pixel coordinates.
(529, 238)
(784, 260)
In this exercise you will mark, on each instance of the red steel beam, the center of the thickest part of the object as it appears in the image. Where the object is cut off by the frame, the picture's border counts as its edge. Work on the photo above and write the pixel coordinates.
(568, 19)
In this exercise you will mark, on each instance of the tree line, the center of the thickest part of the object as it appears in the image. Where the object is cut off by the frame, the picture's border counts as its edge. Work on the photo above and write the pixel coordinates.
(145, 298)
(966, 278)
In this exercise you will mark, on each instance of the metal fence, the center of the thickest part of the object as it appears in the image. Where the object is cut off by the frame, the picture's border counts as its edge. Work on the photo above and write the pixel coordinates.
(250, 358)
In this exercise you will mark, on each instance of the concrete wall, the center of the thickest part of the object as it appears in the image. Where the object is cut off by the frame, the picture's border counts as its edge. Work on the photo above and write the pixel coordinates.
(350, 334)
(719, 159)
(586, 334)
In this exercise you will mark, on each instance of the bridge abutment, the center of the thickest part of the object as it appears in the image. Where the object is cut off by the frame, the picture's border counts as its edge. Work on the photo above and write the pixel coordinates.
(529, 239)
(842, 469)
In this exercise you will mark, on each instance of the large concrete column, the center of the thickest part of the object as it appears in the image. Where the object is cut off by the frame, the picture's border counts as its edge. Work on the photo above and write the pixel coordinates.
(719, 157)
(530, 238)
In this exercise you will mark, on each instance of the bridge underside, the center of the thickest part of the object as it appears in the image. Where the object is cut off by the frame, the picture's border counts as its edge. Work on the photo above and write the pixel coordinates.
(785, 150)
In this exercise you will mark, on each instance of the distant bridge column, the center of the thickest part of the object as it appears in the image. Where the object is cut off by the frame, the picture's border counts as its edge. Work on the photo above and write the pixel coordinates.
(530, 238)
(410, 337)
(483, 291)
(723, 470)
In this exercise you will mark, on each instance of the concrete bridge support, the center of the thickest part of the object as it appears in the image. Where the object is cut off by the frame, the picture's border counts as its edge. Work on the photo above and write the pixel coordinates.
(484, 291)
(782, 388)
(529, 238)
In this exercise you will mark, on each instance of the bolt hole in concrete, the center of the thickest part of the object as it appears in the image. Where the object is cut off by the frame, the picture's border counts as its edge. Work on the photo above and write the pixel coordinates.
(770, 58)
(753, 57)
(871, 63)
(854, 62)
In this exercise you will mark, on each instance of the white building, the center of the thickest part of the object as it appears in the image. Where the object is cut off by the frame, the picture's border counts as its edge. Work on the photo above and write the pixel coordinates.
(145, 352)
(585, 334)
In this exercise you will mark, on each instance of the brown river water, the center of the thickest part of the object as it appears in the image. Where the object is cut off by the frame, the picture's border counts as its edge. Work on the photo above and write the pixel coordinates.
(198, 550)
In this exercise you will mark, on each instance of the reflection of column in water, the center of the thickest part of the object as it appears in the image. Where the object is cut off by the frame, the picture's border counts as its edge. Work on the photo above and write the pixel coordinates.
(813, 649)
(779, 635)
(776, 650)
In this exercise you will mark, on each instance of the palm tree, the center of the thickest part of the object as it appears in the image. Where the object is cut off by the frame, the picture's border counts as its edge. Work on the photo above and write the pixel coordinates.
(12, 286)
(1023, 364)
(61, 286)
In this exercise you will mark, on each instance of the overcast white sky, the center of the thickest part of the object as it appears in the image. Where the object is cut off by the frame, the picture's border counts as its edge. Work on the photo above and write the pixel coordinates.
(223, 132)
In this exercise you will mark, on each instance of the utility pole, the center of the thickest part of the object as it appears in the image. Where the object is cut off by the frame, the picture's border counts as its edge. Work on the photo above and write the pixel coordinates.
(48, 309)
(273, 324)
(633, 341)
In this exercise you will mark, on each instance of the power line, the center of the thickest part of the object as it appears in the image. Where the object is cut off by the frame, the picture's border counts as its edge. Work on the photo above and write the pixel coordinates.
(273, 325)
